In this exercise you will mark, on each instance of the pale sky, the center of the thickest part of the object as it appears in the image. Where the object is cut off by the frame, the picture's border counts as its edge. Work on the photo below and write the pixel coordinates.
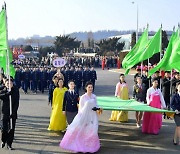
(55, 17)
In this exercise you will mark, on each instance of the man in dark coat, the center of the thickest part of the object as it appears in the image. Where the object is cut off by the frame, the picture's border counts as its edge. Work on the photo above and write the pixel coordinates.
(93, 77)
(86, 76)
(166, 88)
(18, 76)
(77, 77)
(26, 79)
(35, 78)
(175, 80)
(7, 131)
(52, 86)
(146, 80)
(70, 103)
(43, 79)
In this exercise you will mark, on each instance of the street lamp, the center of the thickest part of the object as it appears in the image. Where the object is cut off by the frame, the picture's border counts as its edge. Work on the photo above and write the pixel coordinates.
(137, 22)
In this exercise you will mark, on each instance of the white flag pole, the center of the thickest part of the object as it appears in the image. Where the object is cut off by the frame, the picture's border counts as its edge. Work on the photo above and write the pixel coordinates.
(160, 55)
(8, 69)
(171, 72)
(148, 58)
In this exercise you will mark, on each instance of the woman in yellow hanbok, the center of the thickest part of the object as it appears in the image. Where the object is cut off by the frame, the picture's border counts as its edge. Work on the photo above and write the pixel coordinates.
(121, 92)
(58, 119)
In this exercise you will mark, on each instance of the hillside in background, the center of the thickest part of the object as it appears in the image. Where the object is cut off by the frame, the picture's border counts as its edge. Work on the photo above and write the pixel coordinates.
(37, 40)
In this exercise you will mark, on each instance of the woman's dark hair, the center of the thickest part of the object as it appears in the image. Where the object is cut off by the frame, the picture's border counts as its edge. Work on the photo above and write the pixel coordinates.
(58, 82)
(120, 80)
(87, 84)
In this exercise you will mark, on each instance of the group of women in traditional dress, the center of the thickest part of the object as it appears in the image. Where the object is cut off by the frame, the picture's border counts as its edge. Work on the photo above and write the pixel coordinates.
(81, 128)
(79, 118)
(151, 122)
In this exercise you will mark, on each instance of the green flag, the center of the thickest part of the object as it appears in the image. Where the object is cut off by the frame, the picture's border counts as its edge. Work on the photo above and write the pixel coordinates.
(170, 59)
(174, 61)
(146, 51)
(4, 49)
(136, 49)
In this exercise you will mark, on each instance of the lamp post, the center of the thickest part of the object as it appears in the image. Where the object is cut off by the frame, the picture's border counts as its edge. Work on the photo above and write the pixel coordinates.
(137, 14)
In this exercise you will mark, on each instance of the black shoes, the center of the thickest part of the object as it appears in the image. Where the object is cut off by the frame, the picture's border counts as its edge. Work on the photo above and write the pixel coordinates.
(9, 147)
(2, 145)
(95, 108)
(174, 142)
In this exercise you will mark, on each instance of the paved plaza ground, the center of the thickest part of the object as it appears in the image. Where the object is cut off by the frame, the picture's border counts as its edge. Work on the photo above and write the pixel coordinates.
(32, 136)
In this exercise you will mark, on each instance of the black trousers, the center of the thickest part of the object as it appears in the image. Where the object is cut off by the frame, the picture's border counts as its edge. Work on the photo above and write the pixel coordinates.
(7, 133)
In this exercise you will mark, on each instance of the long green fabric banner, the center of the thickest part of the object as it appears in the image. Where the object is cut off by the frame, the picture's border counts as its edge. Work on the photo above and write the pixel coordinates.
(114, 103)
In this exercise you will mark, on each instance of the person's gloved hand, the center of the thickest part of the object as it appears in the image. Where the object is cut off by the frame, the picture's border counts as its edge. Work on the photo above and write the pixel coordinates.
(95, 108)
(12, 116)
(177, 112)
(8, 93)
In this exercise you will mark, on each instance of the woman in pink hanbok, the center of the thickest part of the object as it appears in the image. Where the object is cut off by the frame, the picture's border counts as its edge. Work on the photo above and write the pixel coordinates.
(152, 122)
(82, 133)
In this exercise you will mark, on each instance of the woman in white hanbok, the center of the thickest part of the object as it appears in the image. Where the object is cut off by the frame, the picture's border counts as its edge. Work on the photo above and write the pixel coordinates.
(82, 133)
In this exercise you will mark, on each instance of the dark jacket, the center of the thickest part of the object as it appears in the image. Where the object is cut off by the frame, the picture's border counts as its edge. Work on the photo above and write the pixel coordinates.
(86, 76)
(50, 93)
(175, 102)
(4, 96)
(174, 82)
(70, 102)
(93, 75)
(166, 90)
(139, 93)
(146, 81)
(77, 77)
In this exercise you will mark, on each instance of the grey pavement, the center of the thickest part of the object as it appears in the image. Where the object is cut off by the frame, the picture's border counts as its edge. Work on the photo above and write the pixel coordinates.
(32, 136)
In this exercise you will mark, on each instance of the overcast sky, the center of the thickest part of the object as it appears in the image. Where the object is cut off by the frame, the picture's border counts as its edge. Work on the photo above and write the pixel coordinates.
(54, 17)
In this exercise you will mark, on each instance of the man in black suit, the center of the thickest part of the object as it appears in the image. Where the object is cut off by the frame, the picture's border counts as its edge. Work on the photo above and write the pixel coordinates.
(86, 76)
(166, 88)
(93, 76)
(70, 103)
(7, 132)
(175, 80)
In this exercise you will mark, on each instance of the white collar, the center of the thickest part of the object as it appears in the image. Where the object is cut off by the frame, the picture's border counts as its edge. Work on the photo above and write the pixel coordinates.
(71, 91)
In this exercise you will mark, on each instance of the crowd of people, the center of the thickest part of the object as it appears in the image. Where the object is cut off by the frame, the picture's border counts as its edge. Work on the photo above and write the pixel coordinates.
(162, 92)
(76, 116)
(96, 61)
(40, 78)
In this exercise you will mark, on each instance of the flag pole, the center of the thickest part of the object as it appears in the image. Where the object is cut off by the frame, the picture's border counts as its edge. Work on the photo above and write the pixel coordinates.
(160, 56)
(172, 72)
(148, 56)
(8, 69)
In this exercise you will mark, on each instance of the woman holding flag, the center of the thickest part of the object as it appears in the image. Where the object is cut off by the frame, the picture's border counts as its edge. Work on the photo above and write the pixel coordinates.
(152, 122)
(121, 92)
